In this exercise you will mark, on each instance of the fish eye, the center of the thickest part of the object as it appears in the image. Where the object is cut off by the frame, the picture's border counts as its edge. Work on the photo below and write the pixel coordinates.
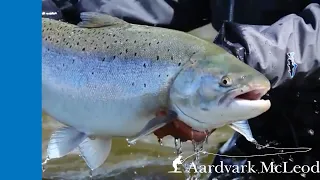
(225, 81)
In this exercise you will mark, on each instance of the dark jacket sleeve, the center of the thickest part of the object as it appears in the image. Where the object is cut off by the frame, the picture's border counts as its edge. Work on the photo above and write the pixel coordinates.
(287, 52)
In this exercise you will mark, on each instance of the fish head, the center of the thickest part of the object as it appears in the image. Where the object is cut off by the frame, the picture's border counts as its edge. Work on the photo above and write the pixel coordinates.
(215, 90)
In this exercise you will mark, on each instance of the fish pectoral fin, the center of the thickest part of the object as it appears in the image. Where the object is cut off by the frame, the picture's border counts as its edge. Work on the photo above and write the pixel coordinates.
(243, 128)
(95, 151)
(96, 20)
(63, 141)
(153, 125)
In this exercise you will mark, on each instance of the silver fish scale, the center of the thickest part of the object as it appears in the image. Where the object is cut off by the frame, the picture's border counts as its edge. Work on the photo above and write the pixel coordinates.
(104, 79)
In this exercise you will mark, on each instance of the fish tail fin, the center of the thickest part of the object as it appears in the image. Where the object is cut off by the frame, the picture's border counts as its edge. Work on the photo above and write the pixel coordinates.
(95, 151)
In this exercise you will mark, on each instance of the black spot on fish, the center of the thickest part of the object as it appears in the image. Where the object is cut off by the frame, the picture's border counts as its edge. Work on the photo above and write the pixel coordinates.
(171, 57)
(120, 53)
(46, 39)
(92, 73)
(158, 42)
(115, 41)
(95, 47)
(127, 40)
(159, 75)
(72, 61)
(70, 46)
(168, 50)
(78, 43)
(126, 50)
(103, 59)
(67, 43)
(135, 54)
(144, 85)
(179, 64)
(149, 44)
(114, 57)
(62, 65)
(144, 65)
(114, 35)
(83, 49)
(167, 75)
(107, 47)
(132, 84)
(157, 57)
(105, 42)
(134, 41)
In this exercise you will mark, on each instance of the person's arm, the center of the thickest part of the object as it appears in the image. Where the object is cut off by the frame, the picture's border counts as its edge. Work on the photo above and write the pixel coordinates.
(287, 52)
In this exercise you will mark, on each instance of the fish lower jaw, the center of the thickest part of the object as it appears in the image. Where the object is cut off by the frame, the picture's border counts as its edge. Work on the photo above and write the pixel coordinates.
(261, 104)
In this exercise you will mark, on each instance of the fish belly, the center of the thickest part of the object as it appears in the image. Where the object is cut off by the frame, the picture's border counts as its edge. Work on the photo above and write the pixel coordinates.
(113, 97)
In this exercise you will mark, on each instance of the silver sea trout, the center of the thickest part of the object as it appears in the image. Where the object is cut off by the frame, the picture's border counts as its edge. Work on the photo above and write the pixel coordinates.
(107, 78)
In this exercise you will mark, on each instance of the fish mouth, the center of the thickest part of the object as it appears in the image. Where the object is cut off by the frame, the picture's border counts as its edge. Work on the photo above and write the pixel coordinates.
(244, 94)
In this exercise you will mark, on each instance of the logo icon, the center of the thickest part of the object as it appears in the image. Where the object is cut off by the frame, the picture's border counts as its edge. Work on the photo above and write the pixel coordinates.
(292, 65)
(175, 164)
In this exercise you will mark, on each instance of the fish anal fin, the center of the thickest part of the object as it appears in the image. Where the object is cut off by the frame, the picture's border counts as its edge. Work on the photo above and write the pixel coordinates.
(96, 20)
(95, 151)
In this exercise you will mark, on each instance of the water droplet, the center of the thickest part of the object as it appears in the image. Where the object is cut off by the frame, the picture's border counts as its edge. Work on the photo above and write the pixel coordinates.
(315, 101)
(178, 147)
(160, 141)
(44, 164)
(311, 132)
(303, 175)
(91, 174)
(130, 143)
(135, 172)
(258, 146)
(206, 139)
(291, 159)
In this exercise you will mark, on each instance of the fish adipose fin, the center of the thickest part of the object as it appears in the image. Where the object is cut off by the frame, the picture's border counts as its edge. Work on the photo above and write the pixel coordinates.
(63, 141)
(96, 20)
(153, 125)
(243, 128)
(95, 151)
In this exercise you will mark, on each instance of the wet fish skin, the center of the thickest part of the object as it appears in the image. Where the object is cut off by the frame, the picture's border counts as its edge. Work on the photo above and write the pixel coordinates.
(108, 68)
(110, 81)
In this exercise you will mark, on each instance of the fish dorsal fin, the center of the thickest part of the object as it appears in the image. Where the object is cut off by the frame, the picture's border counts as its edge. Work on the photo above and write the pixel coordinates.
(96, 20)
